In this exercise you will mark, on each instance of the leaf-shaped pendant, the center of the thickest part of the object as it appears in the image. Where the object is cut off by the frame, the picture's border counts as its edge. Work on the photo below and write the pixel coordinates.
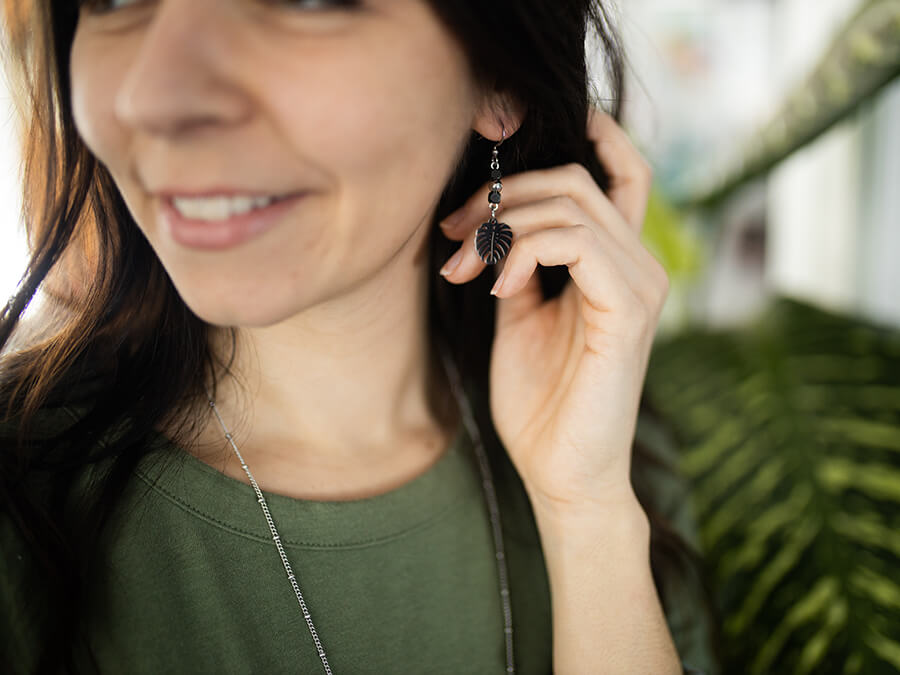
(492, 241)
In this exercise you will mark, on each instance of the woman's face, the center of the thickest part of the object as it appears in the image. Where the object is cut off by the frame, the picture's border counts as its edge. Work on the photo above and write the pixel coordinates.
(363, 107)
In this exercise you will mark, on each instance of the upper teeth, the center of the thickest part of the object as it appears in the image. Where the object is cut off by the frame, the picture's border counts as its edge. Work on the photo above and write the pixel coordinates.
(220, 207)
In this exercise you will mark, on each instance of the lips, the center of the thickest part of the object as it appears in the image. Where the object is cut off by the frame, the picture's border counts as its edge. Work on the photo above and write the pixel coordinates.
(229, 232)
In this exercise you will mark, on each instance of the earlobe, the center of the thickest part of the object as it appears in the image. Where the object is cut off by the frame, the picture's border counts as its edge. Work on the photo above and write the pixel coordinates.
(502, 113)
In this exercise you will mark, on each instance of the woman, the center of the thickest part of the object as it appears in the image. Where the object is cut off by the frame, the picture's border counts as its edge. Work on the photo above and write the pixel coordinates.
(310, 348)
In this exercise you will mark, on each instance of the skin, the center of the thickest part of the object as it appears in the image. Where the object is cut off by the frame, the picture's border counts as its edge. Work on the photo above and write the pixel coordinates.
(566, 377)
(179, 90)
(369, 108)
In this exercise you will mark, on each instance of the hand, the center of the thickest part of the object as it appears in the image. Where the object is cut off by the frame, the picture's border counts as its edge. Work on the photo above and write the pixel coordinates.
(566, 374)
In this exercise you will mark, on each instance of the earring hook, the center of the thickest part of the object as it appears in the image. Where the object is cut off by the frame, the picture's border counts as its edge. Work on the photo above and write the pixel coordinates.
(503, 136)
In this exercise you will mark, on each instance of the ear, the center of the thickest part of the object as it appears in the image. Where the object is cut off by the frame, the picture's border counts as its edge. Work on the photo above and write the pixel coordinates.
(497, 113)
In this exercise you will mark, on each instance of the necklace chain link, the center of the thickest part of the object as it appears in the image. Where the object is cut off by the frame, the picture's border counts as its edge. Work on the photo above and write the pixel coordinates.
(490, 496)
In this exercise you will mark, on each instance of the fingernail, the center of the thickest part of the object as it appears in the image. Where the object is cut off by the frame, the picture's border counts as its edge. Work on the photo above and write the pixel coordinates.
(498, 283)
(453, 219)
(452, 263)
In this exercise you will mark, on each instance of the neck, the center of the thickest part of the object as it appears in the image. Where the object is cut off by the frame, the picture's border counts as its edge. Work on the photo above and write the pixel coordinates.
(350, 380)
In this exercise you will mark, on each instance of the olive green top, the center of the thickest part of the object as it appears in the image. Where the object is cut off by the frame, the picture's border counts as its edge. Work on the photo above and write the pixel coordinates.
(402, 582)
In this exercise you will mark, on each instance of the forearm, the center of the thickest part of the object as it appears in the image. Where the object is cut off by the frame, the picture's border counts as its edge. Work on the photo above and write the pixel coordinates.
(607, 617)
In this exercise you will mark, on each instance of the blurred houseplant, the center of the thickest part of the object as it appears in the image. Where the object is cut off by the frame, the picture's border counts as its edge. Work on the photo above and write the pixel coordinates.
(787, 428)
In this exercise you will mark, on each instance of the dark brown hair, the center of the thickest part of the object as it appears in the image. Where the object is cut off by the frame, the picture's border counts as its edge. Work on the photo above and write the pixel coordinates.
(111, 316)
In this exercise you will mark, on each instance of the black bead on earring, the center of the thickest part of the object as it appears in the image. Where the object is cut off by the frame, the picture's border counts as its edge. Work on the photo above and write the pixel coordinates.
(493, 239)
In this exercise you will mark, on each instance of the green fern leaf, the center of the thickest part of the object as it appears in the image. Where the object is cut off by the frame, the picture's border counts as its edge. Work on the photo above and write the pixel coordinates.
(789, 438)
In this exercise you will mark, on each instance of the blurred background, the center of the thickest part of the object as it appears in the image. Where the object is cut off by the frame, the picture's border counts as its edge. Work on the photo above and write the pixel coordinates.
(787, 112)
(773, 127)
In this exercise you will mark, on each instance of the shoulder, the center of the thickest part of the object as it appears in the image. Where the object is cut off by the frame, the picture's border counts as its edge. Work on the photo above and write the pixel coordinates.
(34, 474)
(17, 580)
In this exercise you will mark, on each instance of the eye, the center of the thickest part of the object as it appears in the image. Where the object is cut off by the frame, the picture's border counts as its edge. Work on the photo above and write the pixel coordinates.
(318, 4)
(102, 6)
(314, 5)
(97, 6)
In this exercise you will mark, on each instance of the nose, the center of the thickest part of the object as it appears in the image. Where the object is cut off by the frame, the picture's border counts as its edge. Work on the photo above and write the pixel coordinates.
(179, 76)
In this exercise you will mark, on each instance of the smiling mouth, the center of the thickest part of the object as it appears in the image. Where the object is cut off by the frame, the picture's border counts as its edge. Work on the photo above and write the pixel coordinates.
(222, 207)
(222, 222)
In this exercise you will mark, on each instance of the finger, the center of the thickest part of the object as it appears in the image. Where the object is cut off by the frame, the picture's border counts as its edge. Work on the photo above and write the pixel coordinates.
(631, 176)
(602, 281)
(557, 211)
(641, 284)
(572, 179)
(527, 299)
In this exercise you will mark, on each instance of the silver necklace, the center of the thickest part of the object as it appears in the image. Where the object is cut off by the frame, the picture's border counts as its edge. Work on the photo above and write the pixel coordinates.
(490, 495)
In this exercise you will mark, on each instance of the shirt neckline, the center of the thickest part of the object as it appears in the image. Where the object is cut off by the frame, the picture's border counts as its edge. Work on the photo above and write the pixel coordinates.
(230, 504)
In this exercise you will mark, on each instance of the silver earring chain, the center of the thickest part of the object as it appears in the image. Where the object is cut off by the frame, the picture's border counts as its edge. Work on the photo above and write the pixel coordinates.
(490, 496)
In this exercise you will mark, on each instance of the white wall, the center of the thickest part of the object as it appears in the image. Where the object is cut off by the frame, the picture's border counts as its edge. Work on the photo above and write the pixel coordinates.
(878, 248)
(812, 195)
(706, 74)
(834, 213)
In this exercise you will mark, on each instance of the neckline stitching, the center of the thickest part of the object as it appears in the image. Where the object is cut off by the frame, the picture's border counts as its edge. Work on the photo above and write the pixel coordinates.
(220, 524)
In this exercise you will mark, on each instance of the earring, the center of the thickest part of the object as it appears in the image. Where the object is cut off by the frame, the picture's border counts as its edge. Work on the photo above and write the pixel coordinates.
(493, 239)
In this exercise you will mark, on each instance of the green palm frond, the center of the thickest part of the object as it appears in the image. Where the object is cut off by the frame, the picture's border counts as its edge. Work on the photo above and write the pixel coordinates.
(789, 433)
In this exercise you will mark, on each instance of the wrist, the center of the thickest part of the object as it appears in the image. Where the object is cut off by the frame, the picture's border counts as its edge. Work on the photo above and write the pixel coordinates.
(619, 521)
(617, 508)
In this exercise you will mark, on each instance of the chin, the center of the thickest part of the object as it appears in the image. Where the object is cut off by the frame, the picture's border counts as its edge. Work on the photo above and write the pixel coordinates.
(244, 317)
(224, 311)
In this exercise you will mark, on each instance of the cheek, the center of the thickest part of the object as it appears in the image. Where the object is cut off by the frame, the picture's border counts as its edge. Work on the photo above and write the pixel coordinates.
(94, 77)
(387, 134)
